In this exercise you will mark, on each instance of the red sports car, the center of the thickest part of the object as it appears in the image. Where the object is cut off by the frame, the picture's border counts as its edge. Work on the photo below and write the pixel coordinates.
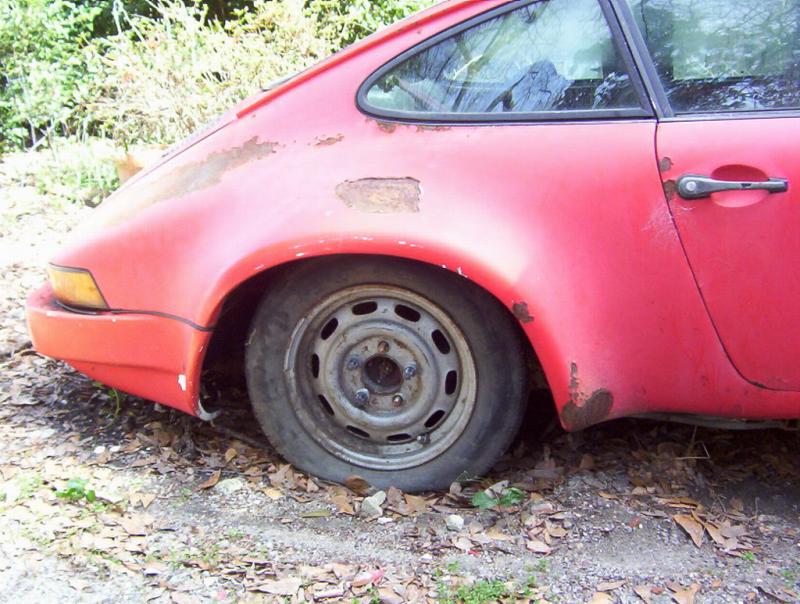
(399, 244)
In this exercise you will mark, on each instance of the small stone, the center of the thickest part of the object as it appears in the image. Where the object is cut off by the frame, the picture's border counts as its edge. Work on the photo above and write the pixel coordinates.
(371, 506)
(229, 486)
(100, 450)
(454, 522)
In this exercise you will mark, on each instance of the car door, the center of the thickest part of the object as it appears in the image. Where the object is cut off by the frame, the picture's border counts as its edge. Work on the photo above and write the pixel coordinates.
(729, 152)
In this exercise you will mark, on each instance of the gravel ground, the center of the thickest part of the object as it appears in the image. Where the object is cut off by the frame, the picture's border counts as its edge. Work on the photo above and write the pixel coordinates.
(108, 498)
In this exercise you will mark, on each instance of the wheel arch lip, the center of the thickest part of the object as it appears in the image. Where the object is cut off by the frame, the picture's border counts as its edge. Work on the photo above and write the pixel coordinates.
(489, 275)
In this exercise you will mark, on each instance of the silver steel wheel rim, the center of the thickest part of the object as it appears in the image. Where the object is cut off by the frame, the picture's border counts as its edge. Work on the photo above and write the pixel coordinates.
(383, 378)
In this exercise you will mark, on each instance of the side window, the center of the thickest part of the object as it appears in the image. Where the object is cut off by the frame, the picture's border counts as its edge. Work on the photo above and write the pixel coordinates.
(724, 55)
(551, 55)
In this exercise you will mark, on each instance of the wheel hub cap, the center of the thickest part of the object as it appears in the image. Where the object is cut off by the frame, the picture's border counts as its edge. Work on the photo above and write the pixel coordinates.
(386, 377)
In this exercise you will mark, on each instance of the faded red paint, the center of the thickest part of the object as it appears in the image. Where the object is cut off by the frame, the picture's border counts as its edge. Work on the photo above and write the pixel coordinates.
(588, 243)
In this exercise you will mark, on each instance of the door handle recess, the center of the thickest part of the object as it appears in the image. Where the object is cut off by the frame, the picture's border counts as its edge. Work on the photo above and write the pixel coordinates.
(692, 186)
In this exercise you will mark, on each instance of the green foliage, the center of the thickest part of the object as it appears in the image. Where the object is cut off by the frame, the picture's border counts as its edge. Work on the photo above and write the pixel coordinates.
(480, 592)
(43, 70)
(509, 497)
(157, 70)
(76, 490)
(342, 22)
(79, 170)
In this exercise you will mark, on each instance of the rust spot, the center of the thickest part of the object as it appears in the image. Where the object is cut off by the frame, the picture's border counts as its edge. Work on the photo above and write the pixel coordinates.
(665, 164)
(593, 410)
(582, 411)
(327, 141)
(388, 127)
(188, 178)
(432, 128)
(670, 188)
(520, 310)
(381, 195)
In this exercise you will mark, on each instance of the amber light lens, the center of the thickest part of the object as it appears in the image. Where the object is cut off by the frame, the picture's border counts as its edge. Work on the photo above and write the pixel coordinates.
(76, 287)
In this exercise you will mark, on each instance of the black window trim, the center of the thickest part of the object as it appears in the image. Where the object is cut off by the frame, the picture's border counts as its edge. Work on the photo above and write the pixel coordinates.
(655, 87)
(619, 41)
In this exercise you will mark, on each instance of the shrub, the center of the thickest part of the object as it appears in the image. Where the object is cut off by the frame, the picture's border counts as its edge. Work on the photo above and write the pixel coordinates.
(342, 22)
(43, 71)
(165, 77)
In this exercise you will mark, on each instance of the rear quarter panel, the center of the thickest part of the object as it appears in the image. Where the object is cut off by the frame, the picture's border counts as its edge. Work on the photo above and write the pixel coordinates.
(566, 224)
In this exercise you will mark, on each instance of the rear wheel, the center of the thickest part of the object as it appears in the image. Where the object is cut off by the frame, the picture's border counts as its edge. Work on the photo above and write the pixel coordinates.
(400, 373)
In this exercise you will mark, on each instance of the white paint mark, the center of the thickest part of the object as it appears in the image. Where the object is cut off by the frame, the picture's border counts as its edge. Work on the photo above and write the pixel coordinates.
(182, 382)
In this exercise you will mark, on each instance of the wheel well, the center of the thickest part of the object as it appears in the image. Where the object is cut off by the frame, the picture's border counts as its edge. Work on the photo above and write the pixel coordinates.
(224, 361)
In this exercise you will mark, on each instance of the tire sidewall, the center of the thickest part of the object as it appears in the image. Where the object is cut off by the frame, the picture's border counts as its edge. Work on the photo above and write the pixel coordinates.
(491, 336)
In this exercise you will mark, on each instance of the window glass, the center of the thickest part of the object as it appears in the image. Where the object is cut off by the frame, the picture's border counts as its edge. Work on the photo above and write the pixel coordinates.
(724, 55)
(546, 56)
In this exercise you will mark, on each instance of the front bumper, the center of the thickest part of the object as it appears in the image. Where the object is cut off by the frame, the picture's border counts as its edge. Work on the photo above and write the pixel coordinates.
(154, 357)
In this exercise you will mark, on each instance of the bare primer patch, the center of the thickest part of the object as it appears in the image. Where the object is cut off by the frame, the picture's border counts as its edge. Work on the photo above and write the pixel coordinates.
(188, 178)
(381, 195)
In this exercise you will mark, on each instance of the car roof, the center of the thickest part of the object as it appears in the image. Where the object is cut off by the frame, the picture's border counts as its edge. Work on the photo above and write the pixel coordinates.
(415, 20)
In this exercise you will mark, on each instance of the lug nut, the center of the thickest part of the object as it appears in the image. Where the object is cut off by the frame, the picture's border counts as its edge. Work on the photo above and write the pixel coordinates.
(353, 363)
(424, 439)
(409, 372)
(398, 400)
(383, 347)
(362, 397)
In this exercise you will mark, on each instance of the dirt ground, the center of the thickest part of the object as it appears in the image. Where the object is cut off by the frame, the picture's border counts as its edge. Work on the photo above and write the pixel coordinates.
(108, 498)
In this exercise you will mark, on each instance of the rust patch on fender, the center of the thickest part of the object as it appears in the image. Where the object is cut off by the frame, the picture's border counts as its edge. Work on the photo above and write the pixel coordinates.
(670, 188)
(582, 411)
(189, 178)
(388, 127)
(432, 128)
(381, 195)
(521, 312)
(327, 141)
(665, 164)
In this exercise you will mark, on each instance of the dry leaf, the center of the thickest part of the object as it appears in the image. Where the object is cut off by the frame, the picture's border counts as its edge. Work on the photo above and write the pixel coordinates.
(316, 514)
(311, 486)
(462, 543)
(684, 595)
(273, 493)
(212, 480)
(418, 505)
(496, 535)
(610, 585)
(692, 527)
(644, 592)
(358, 485)
(137, 525)
(230, 455)
(601, 598)
(538, 547)
(343, 504)
(281, 587)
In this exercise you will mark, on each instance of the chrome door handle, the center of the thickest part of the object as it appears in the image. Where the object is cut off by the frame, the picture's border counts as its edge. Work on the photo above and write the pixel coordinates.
(692, 186)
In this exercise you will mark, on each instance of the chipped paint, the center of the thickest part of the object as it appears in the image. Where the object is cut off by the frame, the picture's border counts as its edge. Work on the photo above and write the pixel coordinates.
(185, 179)
(381, 195)
(665, 164)
(327, 141)
(388, 127)
(593, 410)
(520, 310)
(582, 411)
(182, 382)
(670, 188)
(432, 128)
